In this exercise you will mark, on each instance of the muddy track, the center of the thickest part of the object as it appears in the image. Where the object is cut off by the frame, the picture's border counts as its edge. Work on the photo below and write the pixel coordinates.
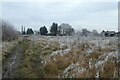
(12, 64)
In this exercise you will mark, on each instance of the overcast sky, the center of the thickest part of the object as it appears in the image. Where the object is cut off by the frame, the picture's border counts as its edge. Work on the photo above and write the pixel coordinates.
(79, 14)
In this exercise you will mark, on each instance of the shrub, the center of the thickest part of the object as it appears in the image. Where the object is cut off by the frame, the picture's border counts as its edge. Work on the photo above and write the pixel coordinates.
(8, 31)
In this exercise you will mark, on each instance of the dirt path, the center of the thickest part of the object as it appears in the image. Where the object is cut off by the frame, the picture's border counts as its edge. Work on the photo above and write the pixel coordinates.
(12, 64)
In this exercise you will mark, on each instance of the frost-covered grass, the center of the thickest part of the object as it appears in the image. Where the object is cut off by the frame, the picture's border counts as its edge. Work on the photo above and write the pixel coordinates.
(70, 56)
(81, 57)
(7, 48)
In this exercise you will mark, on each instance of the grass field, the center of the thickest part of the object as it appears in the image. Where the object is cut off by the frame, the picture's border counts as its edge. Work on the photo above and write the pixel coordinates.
(65, 57)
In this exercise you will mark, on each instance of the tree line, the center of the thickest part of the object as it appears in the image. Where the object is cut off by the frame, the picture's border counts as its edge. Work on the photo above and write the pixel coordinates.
(54, 30)
(8, 32)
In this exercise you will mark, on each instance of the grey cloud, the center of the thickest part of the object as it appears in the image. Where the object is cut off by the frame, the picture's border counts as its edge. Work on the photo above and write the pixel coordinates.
(88, 13)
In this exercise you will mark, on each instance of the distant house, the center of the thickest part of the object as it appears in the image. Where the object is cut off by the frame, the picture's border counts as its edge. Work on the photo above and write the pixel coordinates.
(108, 33)
(118, 34)
(65, 29)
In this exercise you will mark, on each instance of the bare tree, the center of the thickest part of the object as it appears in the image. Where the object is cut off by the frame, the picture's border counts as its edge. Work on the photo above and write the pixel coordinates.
(8, 31)
(95, 32)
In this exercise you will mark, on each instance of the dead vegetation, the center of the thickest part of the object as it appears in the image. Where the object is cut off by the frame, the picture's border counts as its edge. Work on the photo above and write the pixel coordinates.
(8, 31)
(48, 59)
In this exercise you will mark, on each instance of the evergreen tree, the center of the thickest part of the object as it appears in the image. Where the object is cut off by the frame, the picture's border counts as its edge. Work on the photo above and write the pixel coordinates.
(30, 31)
(54, 29)
(43, 30)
